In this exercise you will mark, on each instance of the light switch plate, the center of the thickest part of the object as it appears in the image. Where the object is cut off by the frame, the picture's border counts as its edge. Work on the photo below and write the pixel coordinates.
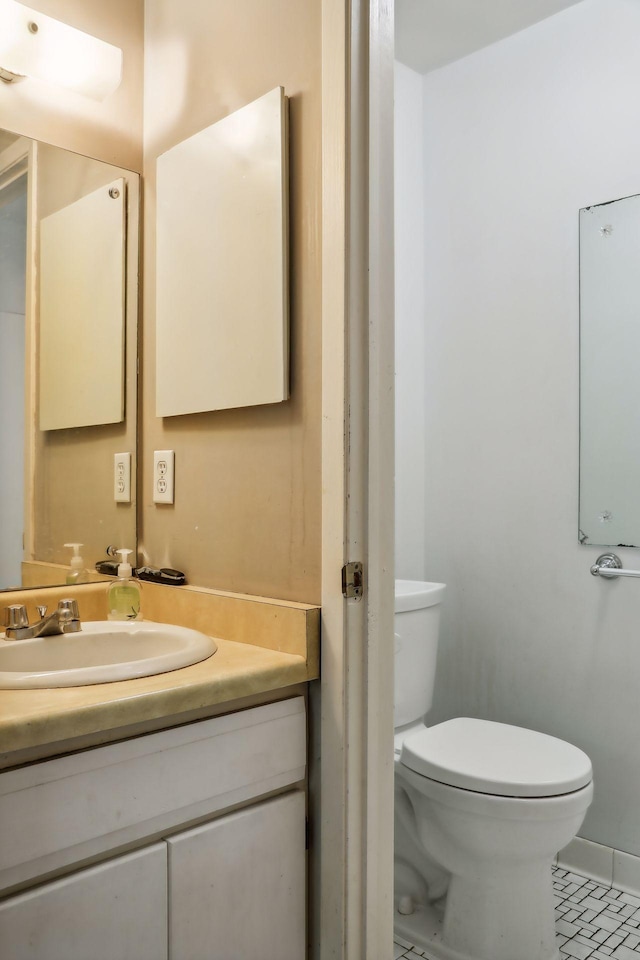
(122, 477)
(163, 473)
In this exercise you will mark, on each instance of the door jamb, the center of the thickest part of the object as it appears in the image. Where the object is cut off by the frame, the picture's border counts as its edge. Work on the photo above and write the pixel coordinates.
(352, 878)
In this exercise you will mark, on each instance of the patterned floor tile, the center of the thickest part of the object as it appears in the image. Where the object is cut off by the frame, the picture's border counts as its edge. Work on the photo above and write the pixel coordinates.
(593, 922)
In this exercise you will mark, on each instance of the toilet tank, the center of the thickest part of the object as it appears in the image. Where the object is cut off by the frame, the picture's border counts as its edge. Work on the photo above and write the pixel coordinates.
(417, 622)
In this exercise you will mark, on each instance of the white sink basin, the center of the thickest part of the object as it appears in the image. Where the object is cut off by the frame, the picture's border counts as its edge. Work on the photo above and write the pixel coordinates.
(103, 651)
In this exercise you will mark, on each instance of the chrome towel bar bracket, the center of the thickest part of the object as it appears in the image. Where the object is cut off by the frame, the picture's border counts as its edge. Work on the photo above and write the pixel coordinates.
(610, 566)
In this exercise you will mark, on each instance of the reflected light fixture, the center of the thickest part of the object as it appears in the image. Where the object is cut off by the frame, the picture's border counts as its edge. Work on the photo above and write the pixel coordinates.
(37, 46)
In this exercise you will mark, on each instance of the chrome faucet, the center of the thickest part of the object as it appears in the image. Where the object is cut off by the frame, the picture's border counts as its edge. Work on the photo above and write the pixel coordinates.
(66, 619)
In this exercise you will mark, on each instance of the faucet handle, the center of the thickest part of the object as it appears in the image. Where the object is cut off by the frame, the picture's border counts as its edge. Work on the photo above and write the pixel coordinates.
(15, 616)
(69, 616)
(42, 611)
(68, 610)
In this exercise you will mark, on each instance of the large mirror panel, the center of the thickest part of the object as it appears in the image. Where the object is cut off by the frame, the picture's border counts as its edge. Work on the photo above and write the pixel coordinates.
(68, 352)
(222, 213)
(609, 381)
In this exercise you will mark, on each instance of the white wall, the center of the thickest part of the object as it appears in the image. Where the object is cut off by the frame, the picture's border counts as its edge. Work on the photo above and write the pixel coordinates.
(247, 516)
(518, 137)
(410, 324)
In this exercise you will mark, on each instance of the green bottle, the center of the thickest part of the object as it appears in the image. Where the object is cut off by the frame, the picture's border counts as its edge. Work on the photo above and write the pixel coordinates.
(123, 596)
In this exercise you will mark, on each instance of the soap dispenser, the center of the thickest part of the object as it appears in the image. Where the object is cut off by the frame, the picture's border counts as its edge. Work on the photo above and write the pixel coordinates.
(76, 572)
(123, 596)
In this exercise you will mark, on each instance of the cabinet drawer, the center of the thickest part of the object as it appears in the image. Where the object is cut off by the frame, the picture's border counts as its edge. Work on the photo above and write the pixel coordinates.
(63, 811)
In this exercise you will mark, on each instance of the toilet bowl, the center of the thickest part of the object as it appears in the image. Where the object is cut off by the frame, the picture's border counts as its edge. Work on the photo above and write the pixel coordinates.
(490, 805)
(481, 810)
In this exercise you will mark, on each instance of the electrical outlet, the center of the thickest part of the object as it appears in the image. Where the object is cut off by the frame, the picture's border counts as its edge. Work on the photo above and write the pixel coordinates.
(163, 469)
(122, 477)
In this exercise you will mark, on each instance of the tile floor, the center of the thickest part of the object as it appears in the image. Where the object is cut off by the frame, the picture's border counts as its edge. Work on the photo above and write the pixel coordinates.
(593, 922)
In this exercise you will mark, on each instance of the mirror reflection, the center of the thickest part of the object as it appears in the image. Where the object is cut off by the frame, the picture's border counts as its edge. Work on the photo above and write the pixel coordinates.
(609, 383)
(68, 355)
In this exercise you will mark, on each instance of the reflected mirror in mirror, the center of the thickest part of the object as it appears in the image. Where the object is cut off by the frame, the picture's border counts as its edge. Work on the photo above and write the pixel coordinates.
(609, 381)
(68, 355)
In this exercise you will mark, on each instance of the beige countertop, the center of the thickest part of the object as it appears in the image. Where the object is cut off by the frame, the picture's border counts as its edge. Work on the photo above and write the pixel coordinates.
(38, 723)
(30, 718)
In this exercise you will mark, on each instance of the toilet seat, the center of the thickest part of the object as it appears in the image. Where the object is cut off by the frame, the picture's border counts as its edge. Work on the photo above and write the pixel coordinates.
(400, 734)
(495, 758)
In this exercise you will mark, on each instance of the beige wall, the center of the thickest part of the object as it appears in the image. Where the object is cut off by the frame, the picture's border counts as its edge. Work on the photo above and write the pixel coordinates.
(247, 514)
(247, 511)
(110, 130)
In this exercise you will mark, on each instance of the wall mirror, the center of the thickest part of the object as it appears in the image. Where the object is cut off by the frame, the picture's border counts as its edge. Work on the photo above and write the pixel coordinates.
(221, 264)
(609, 382)
(68, 356)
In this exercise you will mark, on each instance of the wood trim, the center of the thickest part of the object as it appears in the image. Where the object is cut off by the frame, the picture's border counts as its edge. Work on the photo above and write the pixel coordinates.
(14, 156)
(328, 879)
(31, 387)
(357, 334)
(378, 863)
(352, 899)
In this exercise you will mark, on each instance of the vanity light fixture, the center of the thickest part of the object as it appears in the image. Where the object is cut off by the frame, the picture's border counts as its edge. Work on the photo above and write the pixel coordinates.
(36, 46)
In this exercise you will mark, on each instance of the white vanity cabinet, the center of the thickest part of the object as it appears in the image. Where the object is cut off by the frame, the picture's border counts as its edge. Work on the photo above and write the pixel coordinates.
(232, 887)
(115, 910)
(237, 888)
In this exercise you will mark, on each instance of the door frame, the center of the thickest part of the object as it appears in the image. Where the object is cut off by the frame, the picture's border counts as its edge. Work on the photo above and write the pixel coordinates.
(352, 781)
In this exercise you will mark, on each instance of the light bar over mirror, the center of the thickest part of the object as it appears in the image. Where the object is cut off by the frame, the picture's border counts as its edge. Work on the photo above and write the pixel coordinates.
(35, 46)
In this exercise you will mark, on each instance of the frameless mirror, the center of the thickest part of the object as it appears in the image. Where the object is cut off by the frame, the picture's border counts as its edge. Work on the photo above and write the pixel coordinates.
(221, 264)
(82, 274)
(609, 381)
(68, 357)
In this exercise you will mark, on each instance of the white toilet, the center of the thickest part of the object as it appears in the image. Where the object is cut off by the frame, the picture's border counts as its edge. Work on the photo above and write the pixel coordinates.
(481, 809)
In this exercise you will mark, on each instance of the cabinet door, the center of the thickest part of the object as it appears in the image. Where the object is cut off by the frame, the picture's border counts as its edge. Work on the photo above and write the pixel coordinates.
(114, 911)
(237, 885)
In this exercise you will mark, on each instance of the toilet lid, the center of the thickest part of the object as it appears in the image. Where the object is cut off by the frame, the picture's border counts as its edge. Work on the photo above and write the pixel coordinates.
(496, 758)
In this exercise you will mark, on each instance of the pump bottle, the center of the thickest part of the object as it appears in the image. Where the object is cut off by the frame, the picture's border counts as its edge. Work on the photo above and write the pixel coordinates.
(123, 596)
(76, 572)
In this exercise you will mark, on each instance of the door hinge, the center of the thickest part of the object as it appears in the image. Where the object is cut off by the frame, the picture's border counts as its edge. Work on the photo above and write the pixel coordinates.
(352, 581)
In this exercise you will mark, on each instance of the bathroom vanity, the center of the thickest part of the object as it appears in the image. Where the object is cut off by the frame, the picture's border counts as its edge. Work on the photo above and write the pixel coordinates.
(184, 836)
(161, 886)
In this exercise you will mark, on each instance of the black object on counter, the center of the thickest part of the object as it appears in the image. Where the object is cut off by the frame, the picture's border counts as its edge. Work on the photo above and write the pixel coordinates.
(161, 575)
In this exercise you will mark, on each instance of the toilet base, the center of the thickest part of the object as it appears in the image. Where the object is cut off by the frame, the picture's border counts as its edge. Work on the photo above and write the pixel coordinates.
(498, 853)
(423, 929)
